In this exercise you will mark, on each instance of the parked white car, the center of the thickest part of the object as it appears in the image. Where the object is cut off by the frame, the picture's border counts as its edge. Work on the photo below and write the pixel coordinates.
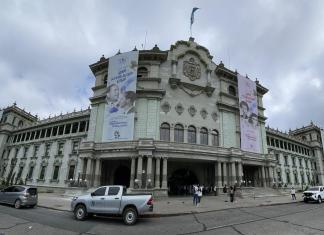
(315, 193)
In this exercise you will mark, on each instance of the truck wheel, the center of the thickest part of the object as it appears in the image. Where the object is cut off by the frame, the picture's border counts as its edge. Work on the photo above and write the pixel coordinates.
(80, 212)
(17, 204)
(319, 199)
(130, 216)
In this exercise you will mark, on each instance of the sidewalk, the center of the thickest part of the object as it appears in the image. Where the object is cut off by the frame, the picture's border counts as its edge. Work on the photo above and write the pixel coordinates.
(179, 205)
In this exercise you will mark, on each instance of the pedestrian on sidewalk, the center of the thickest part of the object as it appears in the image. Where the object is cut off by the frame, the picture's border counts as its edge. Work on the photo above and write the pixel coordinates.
(215, 190)
(232, 194)
(199, 194)
(293, 193)
(225, 189)
(195, 195)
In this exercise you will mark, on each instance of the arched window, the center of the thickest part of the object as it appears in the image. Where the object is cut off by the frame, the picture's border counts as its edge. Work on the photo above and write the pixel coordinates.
(215, 138)
(191, 134)
(232, 90)
(105, 79)
(203, 136)
(20, 123)
(165, 132)
(178, 133)
(142, 72)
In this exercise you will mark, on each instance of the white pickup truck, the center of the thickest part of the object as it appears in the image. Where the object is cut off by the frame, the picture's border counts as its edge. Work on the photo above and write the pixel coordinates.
(112, 200)
(315, 193)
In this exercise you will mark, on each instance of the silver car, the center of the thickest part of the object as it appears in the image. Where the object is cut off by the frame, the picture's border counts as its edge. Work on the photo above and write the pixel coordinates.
(19, 195)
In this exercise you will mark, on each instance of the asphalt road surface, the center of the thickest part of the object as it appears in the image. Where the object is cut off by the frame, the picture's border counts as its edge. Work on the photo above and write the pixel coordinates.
(294, 219)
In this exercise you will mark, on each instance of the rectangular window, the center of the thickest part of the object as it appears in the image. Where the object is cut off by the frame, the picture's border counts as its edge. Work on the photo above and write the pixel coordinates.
(296, 178)
(36, 148)
(288, 178)
(48, 132)
(60, 130)
(71, 172)
(82, 126)
(289, 146)
(16, 152)
(75, 146)
(60, 149)
(32, 136)
(75, 127)
(37, 134)
(30, 173)
(42, 173)
(294, 161)
(300, 163)
(56, 172)
(281, 144)
(54, 131)
(67, 129)
(27, 136)
(47, 149)
(277, 157)
(42, 135)
(25, 152)
(20, 172)
(286, 160)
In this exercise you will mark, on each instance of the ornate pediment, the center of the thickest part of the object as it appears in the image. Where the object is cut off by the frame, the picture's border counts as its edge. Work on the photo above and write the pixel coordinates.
(191, 69)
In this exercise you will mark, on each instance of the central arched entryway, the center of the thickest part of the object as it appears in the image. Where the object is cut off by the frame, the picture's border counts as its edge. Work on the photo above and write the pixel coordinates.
(181, 181)
(122, 176)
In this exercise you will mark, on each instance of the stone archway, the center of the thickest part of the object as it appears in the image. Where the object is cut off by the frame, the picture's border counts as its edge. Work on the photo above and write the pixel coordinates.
(181, 181)
(122, 176)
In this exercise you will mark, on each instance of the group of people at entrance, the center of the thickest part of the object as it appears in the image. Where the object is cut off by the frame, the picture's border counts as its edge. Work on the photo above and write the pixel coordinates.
(198, 193)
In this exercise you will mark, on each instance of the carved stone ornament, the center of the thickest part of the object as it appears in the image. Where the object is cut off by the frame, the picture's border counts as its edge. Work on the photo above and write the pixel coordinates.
(203, 113)
(214, 116)
(179, 108)
(165, 107)
(192, 110)
(191, 69)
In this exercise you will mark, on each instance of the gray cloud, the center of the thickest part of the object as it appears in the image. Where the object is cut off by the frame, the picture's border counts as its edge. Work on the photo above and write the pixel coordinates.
(46, 48)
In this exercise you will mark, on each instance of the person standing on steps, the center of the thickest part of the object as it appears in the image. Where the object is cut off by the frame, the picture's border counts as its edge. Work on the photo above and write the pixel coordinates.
(293, 193)
(232, 194)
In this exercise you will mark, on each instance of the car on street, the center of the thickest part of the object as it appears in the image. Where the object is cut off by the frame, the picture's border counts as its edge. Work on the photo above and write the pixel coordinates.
(315, 193)
(112, 200)
(19, 196)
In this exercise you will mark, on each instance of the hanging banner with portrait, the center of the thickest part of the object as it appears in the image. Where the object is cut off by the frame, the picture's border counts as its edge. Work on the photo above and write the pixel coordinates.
(120, 99)
(248, 105)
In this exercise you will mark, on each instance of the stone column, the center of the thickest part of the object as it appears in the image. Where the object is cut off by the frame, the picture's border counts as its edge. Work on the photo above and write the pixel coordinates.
(264, 183)
(88, 172)
(198, 135)
(225, 174)
(172, 134)
(97, 173)
(149, 183)
(157, 172)
(271, 175)
(233, 173)
(80, 169)
(219, 174)
(131, 183)
(139, 171)
(240, 173)
(165, 173)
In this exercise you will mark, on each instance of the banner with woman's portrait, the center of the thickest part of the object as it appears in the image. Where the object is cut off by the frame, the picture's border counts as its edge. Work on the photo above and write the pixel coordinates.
(248, 105)
(120, 99)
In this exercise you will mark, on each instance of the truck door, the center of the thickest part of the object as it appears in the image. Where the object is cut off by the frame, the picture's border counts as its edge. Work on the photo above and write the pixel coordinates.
(98, 198)
(113, 199)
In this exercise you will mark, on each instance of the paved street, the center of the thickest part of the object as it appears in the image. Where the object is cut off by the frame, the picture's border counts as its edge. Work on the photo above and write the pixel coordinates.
(297, 218)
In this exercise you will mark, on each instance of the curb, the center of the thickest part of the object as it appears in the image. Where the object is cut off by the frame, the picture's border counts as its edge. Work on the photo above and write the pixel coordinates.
(155, 215)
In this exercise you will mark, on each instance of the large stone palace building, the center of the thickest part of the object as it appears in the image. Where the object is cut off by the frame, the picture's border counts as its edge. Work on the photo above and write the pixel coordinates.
(186, 131)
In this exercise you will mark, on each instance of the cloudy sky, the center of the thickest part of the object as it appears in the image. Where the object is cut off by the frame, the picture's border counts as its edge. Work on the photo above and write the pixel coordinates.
(47, 46)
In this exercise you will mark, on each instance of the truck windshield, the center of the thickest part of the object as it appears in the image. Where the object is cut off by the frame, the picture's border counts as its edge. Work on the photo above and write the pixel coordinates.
(313, 189)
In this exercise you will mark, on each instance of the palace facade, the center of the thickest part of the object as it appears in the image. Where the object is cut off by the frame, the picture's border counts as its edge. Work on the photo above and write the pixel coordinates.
(186, 131)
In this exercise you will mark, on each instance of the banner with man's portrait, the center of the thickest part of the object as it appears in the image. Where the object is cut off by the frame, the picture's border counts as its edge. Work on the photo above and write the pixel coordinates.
(248, 105)
(121, 95)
